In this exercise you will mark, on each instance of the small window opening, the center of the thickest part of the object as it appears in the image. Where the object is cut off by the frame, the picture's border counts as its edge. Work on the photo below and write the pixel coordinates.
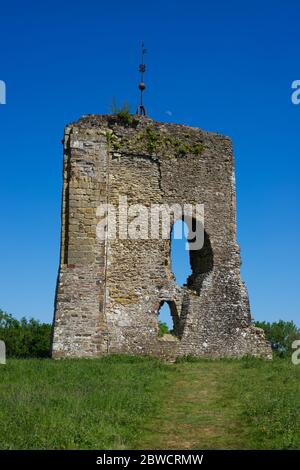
(168, 322)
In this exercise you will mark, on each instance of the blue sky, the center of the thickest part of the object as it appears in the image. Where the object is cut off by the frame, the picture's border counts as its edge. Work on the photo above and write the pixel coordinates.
(222, 66)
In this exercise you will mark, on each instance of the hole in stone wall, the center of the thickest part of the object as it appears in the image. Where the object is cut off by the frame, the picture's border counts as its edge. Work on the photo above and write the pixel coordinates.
(180, 258)
(189, 267)
(167, 318)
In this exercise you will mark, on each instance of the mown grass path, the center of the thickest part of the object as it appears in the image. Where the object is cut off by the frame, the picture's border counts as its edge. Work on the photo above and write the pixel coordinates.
(228, 404)
(195, 414)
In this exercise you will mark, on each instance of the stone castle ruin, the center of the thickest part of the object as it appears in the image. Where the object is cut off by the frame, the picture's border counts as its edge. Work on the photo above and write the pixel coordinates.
(110, 291)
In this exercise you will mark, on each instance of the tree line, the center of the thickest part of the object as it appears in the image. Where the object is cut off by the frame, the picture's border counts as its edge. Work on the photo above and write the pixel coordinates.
(31, 338)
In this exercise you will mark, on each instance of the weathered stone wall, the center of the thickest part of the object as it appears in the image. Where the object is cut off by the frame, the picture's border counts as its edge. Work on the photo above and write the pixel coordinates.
(109, 291)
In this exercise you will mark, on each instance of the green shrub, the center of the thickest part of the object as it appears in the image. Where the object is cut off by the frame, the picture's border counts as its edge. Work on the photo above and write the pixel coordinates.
(25, 338)
(124, 114)
(281, 335)
(162, 329)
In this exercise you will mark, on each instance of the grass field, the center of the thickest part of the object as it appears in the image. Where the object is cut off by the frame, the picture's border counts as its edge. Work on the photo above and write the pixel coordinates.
(140, 403)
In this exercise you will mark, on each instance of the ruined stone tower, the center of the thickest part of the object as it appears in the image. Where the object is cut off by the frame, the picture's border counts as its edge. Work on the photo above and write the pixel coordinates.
(109, 291)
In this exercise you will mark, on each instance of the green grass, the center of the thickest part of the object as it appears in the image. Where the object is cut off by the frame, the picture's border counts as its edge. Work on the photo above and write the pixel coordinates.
(129, 402)
(76, 404)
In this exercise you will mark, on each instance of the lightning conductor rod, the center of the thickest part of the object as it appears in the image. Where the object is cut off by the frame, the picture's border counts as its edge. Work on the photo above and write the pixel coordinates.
(141, 110)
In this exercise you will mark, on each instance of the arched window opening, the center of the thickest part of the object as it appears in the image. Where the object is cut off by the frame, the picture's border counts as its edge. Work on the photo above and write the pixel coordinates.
(168, 321)
(190, 266)
(180, 258)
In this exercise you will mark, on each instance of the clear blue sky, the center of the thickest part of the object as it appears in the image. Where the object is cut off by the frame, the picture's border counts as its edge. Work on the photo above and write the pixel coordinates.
(222, 66)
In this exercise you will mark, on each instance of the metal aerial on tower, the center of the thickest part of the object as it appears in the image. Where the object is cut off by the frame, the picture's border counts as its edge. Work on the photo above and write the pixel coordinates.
(141, 110)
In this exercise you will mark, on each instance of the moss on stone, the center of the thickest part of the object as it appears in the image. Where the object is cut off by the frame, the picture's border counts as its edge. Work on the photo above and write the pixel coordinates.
(154, 141)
